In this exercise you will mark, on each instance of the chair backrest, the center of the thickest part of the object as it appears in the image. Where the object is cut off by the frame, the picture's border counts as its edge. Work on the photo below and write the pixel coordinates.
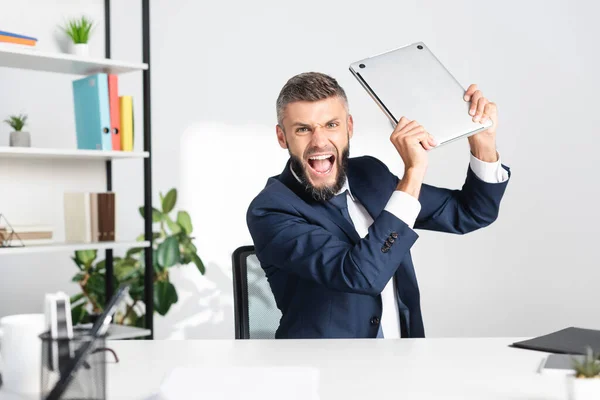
(256, 313)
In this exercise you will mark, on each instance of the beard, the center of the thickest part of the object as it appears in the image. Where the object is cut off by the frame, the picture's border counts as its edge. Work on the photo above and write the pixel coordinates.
(327, 192)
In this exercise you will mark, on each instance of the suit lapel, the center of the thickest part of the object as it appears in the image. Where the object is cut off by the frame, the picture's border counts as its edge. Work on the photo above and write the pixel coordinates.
(362, 190)
(324, 209)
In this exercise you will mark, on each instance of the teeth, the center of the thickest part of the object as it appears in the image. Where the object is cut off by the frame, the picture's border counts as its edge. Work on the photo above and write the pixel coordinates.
(323, 157)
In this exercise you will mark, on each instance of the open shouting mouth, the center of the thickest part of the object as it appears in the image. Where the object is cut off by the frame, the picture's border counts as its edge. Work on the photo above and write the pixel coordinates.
(321, 164)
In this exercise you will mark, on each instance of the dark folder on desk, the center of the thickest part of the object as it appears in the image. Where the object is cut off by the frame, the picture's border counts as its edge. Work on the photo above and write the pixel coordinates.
(567, 341)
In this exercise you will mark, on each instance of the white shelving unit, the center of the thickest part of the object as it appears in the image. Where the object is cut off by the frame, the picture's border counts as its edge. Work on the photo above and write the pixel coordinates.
(33, 59)
(70, 247)
(47, 153)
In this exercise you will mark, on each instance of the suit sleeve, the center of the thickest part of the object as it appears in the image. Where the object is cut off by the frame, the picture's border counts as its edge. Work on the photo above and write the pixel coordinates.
(285, 239)
(474, 206)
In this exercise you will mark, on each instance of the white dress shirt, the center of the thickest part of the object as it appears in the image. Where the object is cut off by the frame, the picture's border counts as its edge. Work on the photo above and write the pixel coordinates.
(407, 208)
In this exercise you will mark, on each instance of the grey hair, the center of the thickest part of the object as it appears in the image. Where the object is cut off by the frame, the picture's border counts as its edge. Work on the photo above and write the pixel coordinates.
(308, 86)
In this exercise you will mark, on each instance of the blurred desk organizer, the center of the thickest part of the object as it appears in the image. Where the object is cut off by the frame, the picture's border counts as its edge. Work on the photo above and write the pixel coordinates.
(103, 119)
(89, 217)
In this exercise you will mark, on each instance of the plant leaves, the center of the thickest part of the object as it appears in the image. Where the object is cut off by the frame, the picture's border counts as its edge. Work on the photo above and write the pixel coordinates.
(78, 314)
(156, 214)
(86, 257)
(173, 226)
(184, 220)
(126, 269)
(165, 296)
(137, 290)
(79, 277)
(101, 265)
(76, 297)
(127, 273)
(169, 201)
(199, 263)
(142, 237)
(185, 259)
(96, 285)
(78, 263)
(168, 252)
(134, 251)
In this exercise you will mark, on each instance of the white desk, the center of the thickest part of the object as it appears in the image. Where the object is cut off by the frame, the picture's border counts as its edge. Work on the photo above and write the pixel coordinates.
(350, 369)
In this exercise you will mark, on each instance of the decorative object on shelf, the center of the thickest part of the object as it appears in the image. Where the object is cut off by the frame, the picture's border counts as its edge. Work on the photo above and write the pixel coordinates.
(79, 30)
(8, 236)
(584, 383)
(18, 138)
(172, 244)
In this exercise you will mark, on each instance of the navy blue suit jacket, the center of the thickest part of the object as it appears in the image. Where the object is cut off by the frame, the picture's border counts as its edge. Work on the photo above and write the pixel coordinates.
(326, 280)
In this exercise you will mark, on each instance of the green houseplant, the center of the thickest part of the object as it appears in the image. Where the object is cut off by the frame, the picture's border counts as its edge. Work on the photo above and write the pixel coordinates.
(79, 31)
(173, 245)
(18, 137)
(584, 383)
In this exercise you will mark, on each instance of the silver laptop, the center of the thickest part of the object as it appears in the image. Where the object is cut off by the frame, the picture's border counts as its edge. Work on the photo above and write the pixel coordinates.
(410, 81)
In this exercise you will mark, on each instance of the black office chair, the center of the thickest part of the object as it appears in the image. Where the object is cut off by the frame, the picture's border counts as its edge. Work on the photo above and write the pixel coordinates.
(256, 313)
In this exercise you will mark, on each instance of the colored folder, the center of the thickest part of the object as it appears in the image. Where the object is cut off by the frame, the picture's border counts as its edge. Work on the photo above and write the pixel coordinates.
(92, 112)
(115, 115)
(126, 104)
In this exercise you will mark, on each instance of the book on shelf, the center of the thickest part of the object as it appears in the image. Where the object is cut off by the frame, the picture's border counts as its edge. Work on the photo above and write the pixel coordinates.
(89, 217)
(17, 39)
(27, 234)
(102, 118)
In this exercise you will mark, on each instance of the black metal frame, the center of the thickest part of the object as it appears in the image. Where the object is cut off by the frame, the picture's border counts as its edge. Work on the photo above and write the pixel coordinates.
(240, 291)
(149, 270)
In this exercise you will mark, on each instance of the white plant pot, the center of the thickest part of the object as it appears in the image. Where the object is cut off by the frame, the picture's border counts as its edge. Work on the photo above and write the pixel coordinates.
(583, 388)
(20, 139)
(79, 49)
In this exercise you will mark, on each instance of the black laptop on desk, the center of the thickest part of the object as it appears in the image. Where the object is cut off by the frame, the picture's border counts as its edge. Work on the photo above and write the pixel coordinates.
(566, 341)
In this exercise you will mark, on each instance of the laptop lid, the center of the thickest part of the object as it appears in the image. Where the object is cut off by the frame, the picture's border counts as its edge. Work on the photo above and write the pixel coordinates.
(410, 81)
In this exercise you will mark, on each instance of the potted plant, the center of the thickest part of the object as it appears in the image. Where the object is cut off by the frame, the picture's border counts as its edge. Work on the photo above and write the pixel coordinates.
(79, 31)
(18, 138)
(173, 246)
(584, 383)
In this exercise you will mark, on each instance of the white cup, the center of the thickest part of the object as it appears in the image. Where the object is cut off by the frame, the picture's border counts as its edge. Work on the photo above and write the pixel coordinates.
(21, 349)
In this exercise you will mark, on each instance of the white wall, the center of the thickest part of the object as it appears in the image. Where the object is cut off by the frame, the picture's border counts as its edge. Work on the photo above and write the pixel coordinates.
(216, 71)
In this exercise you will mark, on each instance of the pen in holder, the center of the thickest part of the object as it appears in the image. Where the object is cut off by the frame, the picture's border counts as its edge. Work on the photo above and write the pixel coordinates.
(89, 380)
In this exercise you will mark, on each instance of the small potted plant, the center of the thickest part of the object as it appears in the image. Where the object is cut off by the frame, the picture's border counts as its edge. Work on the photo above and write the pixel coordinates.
(79, 31)
(584, 383)
(18, 138)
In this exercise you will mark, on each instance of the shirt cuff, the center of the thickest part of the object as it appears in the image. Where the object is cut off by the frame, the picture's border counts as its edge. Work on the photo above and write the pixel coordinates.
(489, 172)
(404, 206)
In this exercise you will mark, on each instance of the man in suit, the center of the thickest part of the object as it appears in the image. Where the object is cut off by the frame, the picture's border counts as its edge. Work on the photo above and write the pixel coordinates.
(334, 233)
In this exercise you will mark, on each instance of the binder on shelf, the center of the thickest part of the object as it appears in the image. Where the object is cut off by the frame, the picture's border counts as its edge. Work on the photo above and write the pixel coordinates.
(127, 133)
(92, 112)
(115, 115)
